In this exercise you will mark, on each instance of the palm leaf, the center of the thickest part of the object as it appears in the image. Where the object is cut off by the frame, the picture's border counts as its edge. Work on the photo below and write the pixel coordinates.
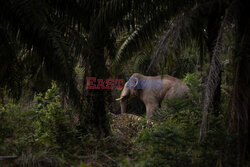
(183, 28)
(213, 76)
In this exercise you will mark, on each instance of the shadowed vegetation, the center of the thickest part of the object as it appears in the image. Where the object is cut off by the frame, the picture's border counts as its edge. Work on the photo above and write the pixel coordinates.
(49, 118)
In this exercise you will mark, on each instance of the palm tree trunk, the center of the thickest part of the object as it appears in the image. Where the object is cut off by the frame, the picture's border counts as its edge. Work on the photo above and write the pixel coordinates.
(2, 96)
(97, 97)
(240, 106)
(239, 121)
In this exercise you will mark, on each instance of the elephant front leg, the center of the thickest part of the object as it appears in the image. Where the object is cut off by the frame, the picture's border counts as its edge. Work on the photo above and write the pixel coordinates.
(150, 108)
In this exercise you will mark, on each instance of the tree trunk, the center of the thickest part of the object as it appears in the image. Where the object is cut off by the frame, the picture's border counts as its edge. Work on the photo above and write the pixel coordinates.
(97, 98)
(2, 96)
(240, 101)
(240, 106)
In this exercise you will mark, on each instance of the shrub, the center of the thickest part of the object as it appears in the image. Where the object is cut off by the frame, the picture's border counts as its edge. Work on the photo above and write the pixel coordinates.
(173, 140)
(40, 135)
(51, 121)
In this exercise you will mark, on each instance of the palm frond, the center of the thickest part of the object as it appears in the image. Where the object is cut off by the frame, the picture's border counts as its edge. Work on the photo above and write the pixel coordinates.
(139, 38)
(130, 16)
(10, 74)
(38, 28)
(213, 76)
(183, 28)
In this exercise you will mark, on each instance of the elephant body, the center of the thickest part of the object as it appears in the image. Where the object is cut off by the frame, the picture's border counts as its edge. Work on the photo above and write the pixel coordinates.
(168, 87)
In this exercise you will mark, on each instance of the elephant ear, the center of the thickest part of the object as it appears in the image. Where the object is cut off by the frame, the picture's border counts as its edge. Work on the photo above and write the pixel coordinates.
(136, 82)
(133, 83)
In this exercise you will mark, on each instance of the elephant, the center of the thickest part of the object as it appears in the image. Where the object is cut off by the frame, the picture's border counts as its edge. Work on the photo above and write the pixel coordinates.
(151, 90)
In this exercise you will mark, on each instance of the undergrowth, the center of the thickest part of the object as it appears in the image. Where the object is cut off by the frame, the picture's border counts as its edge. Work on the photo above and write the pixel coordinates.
(173, 141)
(45, 134)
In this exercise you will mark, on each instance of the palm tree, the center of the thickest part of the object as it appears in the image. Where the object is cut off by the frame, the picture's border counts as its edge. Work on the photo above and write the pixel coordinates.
(109, 20)
(56, 33)
(50, 33)
(206, 22)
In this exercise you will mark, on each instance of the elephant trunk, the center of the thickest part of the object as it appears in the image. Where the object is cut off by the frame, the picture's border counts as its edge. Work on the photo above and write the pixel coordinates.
(123, 106)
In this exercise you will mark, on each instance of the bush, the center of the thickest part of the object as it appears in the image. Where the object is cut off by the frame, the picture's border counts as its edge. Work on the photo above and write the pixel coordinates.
(173, 140)
(193, 81)
(12, 125)
(51, 121)
(41, 135)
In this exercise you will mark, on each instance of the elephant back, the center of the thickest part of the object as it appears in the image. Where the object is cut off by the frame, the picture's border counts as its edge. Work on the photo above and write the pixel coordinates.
(178, 89)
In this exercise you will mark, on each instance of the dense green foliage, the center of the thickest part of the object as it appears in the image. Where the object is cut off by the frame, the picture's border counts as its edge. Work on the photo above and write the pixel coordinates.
(44, 133)
(172, 141)
(41, 133)
(48, 48)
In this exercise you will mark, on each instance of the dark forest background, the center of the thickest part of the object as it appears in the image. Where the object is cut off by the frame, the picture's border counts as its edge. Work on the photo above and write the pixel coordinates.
(49, 118)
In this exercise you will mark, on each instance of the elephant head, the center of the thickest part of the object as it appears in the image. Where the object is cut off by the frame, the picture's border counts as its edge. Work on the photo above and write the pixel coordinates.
(129, 91)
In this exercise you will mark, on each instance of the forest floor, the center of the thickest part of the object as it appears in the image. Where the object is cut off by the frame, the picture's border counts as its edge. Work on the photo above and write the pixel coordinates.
(114, 150)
